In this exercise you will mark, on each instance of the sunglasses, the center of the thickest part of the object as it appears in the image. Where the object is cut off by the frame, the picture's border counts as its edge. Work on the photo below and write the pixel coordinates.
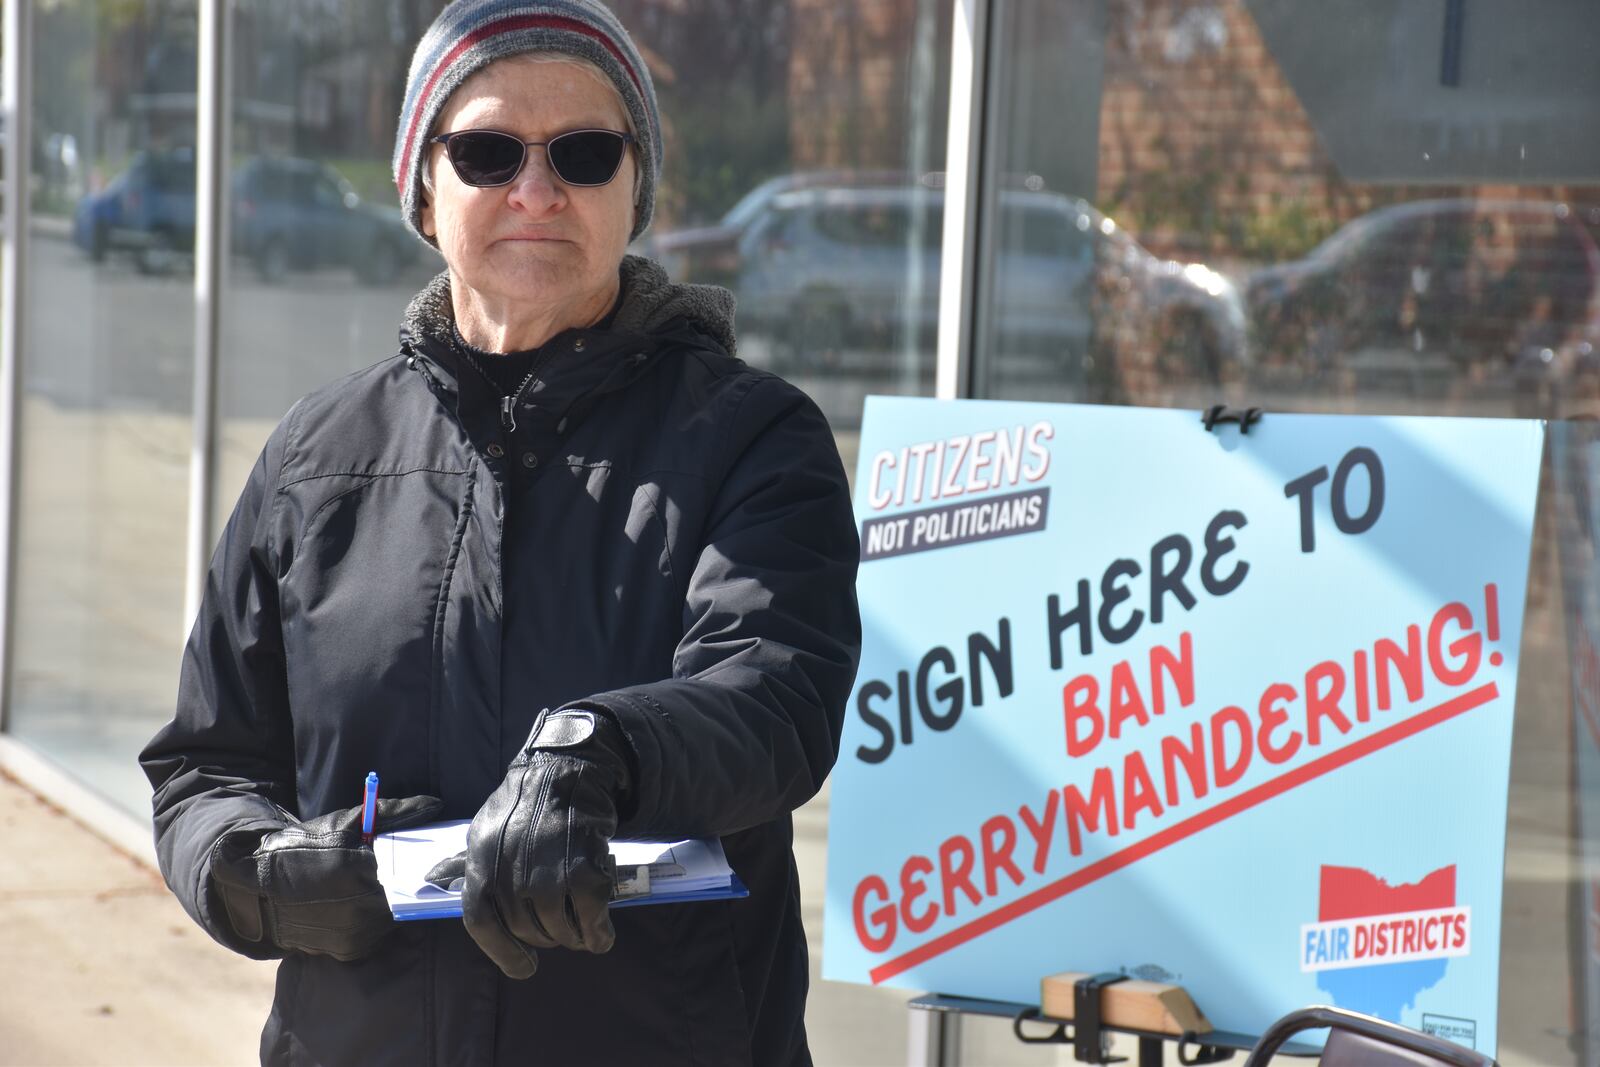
(487, 158)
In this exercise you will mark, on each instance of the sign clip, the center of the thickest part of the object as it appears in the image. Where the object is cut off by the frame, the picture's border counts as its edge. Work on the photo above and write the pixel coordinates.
(1217, 414)
(1088, 1043)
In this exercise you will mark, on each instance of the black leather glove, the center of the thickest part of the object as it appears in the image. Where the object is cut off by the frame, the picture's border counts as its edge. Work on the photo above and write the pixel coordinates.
(538, 865)
(312, 886)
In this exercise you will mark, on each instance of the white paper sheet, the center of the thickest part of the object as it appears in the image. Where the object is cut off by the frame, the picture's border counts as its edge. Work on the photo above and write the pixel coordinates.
(646, 870)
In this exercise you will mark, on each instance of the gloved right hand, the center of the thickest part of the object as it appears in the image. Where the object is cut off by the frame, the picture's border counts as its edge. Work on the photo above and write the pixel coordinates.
(312, 886)
(538, 869)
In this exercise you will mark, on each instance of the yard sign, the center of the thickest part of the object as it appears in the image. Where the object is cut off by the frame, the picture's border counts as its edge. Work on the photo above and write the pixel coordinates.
(1228, 710)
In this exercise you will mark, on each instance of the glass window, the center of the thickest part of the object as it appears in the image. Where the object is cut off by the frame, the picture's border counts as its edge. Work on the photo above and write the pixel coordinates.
(107, 386)
(777, 113)
(804, 151)
(1361, 208)
(321, 266)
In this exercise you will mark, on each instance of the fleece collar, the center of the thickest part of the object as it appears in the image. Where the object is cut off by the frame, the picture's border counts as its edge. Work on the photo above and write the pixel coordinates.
(575, 367)
(651, 305)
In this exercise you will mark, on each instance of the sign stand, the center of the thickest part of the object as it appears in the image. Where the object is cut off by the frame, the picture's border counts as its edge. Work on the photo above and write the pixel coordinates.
(939, 1044)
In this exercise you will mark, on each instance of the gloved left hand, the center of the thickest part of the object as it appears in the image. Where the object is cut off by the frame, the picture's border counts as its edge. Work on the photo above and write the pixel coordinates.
(538, 865)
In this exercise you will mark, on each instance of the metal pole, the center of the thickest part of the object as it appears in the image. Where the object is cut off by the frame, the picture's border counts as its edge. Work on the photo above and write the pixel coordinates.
(211, 244)
(962, 196)
(16, 94)
(933, 1038)
(912, 324)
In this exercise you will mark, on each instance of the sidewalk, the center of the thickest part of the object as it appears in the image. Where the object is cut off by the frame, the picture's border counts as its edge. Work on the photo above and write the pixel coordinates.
(101, 965)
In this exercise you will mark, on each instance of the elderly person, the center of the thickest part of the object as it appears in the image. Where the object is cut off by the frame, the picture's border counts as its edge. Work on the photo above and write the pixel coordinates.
(563, 566)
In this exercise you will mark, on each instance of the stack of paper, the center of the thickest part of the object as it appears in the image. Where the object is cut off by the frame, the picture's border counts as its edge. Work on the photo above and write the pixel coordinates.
(648, 872)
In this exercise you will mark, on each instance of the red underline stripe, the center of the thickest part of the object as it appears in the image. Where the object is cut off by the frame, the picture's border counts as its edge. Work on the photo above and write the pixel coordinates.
(1187, 828)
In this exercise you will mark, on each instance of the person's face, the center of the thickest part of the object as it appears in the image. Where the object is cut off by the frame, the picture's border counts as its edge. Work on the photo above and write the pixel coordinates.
(537, 238)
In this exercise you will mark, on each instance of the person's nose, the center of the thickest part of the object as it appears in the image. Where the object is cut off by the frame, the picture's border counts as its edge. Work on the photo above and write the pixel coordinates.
(536, 189)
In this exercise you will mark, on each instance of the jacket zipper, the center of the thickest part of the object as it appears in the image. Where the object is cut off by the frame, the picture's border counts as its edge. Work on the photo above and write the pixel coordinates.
(508, 417)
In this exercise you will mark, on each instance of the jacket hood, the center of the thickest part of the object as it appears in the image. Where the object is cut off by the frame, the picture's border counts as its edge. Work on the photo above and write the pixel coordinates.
(651, 305)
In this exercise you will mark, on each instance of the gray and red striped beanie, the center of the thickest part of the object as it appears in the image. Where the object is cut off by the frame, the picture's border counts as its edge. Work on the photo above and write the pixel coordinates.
(468, 35)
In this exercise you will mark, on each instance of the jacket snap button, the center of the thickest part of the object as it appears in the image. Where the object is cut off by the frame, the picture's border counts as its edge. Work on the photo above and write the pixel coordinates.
(495, 451)
(577, 346)
(530, 460)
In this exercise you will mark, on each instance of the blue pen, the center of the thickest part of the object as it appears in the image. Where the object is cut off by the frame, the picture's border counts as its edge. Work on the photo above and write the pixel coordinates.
(369, 808)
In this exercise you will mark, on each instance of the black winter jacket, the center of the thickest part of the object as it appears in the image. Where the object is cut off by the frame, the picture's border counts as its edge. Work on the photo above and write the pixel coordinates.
(416, 568)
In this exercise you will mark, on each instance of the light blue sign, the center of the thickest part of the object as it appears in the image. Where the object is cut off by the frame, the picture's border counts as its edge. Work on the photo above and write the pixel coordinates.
(1232, 711)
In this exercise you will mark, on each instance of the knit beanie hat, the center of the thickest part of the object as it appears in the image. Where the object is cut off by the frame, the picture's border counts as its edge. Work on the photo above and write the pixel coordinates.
(468, 35)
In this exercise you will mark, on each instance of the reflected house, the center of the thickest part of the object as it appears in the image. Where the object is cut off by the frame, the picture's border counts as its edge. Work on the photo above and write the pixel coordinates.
(1251, 129)
(848, 87)
(323, 80)
(150, 75)
(1245, 132)
(802, 88)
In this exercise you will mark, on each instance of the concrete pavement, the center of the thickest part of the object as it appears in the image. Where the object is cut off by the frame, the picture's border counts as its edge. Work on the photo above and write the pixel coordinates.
(101, 965)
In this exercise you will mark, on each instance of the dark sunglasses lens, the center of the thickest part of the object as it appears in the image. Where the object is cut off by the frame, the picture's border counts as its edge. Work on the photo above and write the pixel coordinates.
(587, 157)
(485, 158)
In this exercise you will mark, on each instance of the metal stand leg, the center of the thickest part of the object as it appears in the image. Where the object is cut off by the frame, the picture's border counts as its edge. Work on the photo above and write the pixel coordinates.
(934, 1039)
(1151, 1051)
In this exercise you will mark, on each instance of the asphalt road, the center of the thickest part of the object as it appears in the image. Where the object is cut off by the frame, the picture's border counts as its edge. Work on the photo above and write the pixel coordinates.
(106, 336)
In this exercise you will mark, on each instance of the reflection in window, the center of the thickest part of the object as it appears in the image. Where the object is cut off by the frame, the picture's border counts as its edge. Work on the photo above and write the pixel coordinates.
(1306, 208)
(106, 386)
(804, 151)
(322, 265)
(1258, 185)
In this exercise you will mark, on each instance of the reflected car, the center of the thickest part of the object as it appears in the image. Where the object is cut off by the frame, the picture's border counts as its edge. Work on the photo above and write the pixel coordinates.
(711, 254)
(146, 210)
(822, 269)
(287, 214)
(299, 214)
(1508, 287)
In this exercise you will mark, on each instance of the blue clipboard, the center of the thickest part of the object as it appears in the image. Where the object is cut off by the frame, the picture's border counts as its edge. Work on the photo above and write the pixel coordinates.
(734, 890)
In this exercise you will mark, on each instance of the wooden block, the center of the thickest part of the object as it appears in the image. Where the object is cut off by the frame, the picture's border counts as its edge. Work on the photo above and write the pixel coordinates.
(1131, 1004)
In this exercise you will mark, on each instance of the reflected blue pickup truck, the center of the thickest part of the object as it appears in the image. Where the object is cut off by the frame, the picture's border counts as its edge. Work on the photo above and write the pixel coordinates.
(287, 214)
